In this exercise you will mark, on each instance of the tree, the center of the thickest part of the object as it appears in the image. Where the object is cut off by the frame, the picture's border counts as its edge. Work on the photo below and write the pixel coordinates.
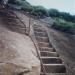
(39, 10)
(12, 1)
(53, 13)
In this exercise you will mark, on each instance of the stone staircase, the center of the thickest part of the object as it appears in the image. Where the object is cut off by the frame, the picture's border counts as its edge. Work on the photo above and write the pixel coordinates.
(14, 22)
(51, 63)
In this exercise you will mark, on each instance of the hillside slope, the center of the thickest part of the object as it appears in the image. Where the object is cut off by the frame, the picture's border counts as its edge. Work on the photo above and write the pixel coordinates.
(17, 53)
(65, 46)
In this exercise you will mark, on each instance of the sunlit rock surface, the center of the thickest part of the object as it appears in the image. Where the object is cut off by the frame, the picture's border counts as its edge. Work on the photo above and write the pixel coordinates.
(17, 54)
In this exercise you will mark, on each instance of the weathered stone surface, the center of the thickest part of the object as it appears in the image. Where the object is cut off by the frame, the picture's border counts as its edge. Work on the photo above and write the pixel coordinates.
(17, 54)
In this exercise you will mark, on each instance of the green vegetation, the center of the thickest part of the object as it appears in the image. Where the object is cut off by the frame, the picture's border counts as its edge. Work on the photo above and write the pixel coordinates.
(41, 11)
(63, 25)
(26, 6)
(63, 21)
(13, 2)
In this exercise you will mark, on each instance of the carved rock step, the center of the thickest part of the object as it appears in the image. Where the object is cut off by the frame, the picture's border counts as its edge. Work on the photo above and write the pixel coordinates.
(41, 34)
(48, 54)
(51, 60)
(54, 68)
(42, 39)
(41, 44)
(16, 25)
(37, 26)
(22, 31)
(11, 16)
(11, 19)
(47, 49)
(53, 74)
(39, 30)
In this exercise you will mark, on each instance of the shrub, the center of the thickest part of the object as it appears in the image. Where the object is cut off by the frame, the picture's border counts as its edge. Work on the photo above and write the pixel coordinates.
(63, 25)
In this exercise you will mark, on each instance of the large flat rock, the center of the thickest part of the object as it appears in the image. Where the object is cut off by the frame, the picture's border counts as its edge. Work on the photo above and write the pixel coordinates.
(17, 54)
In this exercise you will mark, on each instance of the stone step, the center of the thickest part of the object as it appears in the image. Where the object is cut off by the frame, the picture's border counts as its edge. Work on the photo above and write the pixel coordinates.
(37, 26)
(51, 60)
(42, 39)
(41, 44)
(47, 49)
(22, 28)
(10, 19)
(11, 16)
(52, 73)
(17, 25)
(39, 30)
(41, 34)
(48, 54)
(54, 68)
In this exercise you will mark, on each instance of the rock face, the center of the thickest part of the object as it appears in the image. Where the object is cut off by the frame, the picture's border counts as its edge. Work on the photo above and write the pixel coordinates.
(48, 20)
(17, 54)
